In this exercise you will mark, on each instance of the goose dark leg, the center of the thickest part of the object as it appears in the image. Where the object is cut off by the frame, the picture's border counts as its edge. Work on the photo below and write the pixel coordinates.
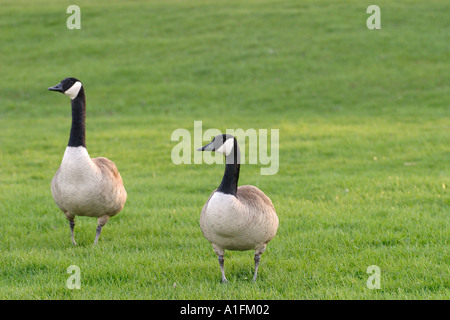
(72, 226)
(98, 231)
(257, 258)
(258, 253)
(100, 223)
(221, 262)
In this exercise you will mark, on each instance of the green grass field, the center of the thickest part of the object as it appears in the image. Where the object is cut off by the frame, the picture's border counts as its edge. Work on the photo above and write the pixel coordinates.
(364, 120)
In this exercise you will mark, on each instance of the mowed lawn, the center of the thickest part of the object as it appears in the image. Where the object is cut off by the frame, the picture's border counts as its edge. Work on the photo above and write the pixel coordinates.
(364, 148)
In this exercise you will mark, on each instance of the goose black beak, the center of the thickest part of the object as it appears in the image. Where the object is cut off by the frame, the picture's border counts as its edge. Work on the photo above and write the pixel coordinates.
(208, 147)
(58, 88)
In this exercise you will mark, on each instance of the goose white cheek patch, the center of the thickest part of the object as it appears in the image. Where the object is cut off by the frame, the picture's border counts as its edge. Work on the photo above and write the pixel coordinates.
(227, 147)
(72, 92)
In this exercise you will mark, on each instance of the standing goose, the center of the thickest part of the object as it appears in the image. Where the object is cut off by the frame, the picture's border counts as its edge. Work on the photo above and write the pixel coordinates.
(83, 186)
(236, 218)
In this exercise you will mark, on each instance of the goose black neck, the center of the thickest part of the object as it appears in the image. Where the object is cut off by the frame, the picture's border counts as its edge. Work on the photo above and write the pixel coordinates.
(230, 178)
(78, 131)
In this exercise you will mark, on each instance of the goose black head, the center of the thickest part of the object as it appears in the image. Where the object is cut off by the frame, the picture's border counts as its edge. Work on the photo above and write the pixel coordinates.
(223, 143)
(69, 86)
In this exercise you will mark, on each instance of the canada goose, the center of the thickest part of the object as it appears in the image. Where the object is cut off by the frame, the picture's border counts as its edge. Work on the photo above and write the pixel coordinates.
(236, 218)
(83, 186)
